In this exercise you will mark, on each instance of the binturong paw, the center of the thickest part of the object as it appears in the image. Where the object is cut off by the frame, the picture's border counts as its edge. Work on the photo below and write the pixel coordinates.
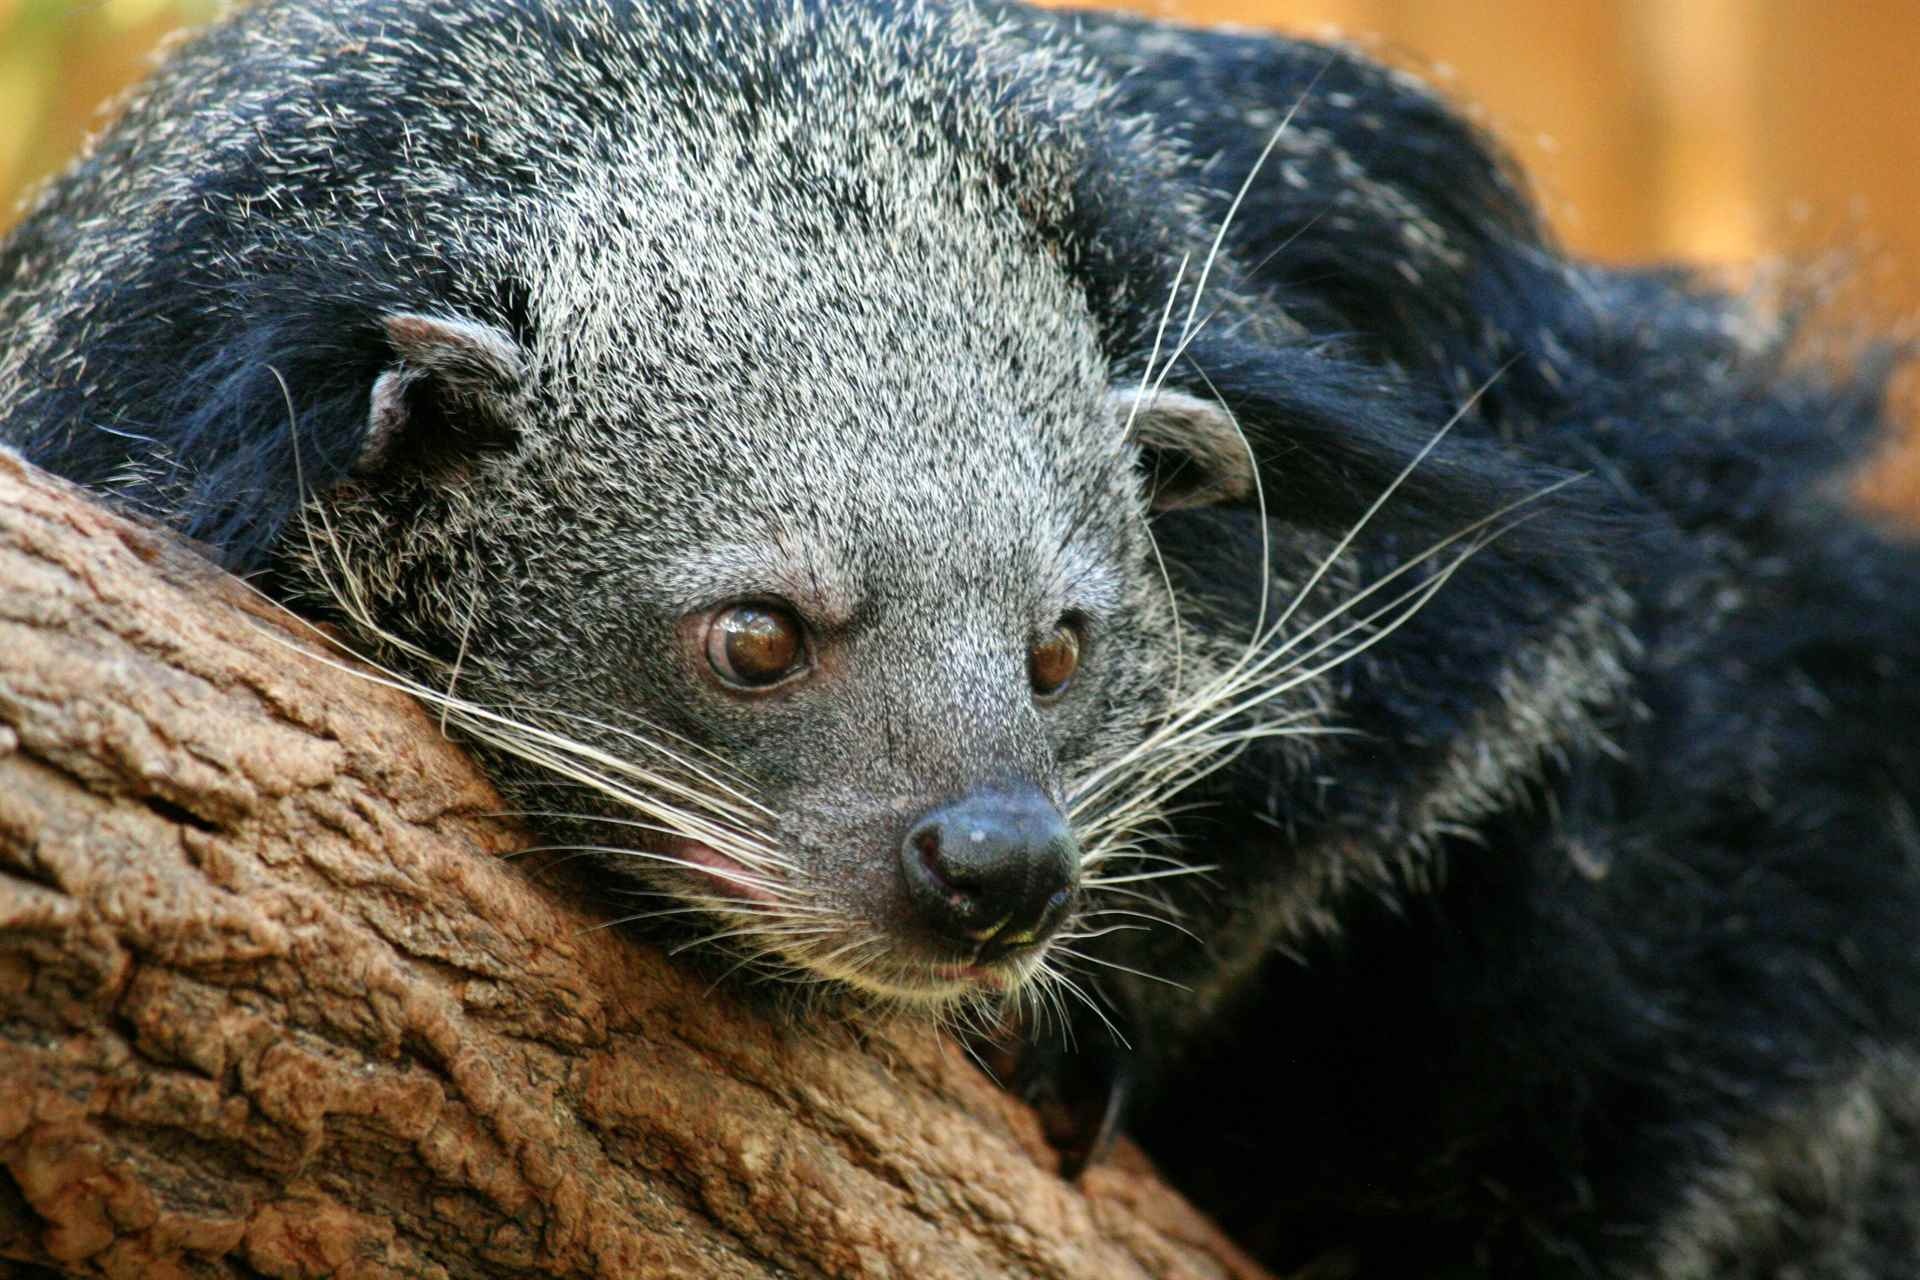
(1080, 1093)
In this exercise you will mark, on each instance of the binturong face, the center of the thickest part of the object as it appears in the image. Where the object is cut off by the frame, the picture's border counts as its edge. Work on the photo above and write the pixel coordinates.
(805, 579)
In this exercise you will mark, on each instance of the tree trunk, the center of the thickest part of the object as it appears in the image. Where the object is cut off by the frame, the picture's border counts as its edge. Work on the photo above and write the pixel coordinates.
(271, 1003)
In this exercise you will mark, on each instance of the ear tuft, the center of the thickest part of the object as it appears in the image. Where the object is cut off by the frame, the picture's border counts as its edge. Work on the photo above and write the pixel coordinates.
(447, 393)
(1191, 450)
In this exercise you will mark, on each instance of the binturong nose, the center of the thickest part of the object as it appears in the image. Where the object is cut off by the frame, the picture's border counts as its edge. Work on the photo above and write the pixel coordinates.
(993, 871)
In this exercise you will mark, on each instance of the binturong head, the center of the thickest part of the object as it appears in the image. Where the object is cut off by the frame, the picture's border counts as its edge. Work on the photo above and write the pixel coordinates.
(742, 453)
(838, 653)
(734, 417)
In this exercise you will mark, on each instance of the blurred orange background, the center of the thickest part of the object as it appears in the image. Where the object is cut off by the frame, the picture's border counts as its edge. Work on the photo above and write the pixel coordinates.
(1713, 131)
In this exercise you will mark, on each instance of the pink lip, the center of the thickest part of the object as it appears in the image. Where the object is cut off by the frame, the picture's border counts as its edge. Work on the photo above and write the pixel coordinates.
(733, 879)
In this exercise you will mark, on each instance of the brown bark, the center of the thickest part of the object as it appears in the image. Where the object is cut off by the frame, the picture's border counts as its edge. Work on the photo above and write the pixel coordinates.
(272, 1005)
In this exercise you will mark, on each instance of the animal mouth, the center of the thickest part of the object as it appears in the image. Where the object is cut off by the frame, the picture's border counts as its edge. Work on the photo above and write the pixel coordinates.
(903, 973)
(731, 876)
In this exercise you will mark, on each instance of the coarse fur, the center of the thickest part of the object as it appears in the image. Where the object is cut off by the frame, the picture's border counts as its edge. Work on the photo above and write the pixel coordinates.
(1493, 760)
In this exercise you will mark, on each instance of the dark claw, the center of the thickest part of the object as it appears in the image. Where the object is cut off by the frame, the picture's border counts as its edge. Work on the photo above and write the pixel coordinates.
(1081, 1097)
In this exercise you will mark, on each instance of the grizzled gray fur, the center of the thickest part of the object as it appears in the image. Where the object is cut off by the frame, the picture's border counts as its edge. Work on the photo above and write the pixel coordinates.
(1127, 532)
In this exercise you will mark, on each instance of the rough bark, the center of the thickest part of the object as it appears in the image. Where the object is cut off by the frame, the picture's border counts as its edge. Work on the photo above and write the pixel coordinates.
(271, 1004)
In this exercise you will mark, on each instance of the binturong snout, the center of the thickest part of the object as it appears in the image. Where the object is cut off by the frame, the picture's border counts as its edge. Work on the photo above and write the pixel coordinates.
(991, 872)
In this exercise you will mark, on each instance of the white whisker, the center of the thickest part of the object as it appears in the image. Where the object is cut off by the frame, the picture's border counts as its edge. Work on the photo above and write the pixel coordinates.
(1102, 882)
(1114, 964)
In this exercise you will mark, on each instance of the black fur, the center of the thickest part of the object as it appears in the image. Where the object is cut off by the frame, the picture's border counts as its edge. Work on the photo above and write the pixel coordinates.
(1535, 1042)
(1517, 1069)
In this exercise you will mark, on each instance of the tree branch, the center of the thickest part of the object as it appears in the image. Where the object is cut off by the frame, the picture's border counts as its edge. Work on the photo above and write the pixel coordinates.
(271, 1004)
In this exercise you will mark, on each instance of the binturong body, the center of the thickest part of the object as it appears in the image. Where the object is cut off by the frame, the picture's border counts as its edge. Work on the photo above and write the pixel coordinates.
(1405, 720)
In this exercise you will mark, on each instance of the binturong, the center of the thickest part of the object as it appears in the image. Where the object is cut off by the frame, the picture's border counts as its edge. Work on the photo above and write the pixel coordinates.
(1053, 519)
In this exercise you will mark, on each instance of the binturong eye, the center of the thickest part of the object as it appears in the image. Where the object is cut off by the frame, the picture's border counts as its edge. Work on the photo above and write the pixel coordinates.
(755, 646)
(1052, 662)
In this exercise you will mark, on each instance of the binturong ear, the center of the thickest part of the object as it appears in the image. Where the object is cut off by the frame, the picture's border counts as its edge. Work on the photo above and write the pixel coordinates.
(447, 395)
(1192, 452)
